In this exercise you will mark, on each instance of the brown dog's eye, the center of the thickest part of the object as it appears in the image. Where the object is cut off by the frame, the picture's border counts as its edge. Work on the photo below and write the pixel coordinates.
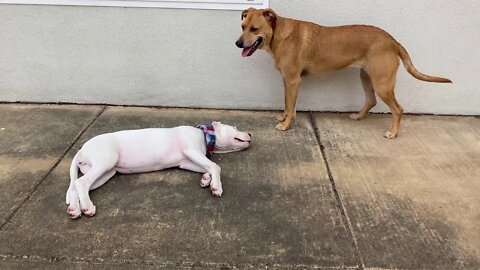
(253, 29)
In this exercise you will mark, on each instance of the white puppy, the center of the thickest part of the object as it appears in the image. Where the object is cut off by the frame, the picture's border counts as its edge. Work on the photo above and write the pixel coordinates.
(146, 150)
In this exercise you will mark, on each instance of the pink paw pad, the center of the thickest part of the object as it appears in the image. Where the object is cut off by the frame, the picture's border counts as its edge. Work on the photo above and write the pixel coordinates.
(205, 181)
(73, 213)
(215, 192)
(73, 216)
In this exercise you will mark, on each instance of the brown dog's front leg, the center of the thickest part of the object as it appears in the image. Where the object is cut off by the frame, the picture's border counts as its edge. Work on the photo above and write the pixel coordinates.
(292, 85)
(283, 115)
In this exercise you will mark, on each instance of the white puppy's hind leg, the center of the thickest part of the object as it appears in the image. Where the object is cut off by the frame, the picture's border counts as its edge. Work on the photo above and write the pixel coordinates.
(103, 179)
(72, 200)
(73, 177)
(83, 186)
(102, 156)
(73, 209)
(84, 183)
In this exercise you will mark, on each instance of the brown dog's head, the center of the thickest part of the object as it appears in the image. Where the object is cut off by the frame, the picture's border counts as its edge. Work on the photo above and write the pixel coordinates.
(257, 26)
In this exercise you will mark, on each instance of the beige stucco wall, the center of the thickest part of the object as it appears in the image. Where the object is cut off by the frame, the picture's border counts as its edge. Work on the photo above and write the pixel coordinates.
(178, 57)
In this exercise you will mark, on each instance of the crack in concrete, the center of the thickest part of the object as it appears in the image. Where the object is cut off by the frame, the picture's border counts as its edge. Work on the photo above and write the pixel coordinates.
(340, 205)
(42, 179)
(187, 264)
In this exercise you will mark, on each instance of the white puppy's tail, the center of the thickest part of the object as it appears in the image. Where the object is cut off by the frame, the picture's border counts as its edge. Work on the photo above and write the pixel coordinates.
(73, 177)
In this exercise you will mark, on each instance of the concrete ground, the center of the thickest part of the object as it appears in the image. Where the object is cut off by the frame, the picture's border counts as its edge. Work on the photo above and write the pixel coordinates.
(330, 193)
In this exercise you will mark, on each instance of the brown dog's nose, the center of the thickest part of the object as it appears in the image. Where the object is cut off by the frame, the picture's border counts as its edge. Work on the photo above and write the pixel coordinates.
(239, 43)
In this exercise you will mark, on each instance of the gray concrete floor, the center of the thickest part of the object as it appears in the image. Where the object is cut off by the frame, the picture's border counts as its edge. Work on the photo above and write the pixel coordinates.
(330, 193)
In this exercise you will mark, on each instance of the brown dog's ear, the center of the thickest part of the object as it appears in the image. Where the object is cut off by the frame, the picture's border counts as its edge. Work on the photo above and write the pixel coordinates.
(244, 13)
(271, 16)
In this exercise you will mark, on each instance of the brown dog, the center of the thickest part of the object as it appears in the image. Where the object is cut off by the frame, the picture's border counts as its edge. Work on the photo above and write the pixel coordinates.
(301, 48)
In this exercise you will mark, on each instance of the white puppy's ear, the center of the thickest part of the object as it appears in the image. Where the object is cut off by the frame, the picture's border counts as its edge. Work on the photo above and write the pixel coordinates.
(216, 123)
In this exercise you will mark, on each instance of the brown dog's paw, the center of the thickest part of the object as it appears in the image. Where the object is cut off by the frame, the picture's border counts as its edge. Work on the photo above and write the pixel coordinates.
(281, 117)
(282, 126)
(390, 135)
(355, 116)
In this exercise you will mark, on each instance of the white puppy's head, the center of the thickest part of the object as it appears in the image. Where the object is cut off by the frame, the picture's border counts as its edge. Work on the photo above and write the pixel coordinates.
(229, 139)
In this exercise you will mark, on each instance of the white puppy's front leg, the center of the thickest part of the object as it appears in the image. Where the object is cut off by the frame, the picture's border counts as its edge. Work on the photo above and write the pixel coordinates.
(206, 178)
(210, 167)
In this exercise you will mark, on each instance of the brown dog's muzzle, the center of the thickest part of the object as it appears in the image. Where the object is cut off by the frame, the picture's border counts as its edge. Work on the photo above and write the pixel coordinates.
(250, 47)
(239, 43)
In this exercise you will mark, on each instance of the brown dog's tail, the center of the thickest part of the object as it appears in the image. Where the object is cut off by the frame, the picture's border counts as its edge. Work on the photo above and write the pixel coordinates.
(407, 62)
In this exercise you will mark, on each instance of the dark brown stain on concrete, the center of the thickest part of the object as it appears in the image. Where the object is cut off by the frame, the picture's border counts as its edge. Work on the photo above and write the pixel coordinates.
(399, 237)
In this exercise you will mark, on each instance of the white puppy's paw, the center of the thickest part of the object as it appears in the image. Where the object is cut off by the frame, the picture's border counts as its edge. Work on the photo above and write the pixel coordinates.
(89, 209)
(216, 190)
(73, 202)
(205, 181)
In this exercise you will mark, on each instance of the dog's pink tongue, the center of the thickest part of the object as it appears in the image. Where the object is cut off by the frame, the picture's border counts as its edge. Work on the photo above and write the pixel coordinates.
(245, 51)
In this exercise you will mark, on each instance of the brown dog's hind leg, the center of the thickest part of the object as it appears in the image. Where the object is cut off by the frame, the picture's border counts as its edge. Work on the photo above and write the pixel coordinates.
(292, 83)
(383, 72)
(370, 99)
(385, 90)
(397, 112)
